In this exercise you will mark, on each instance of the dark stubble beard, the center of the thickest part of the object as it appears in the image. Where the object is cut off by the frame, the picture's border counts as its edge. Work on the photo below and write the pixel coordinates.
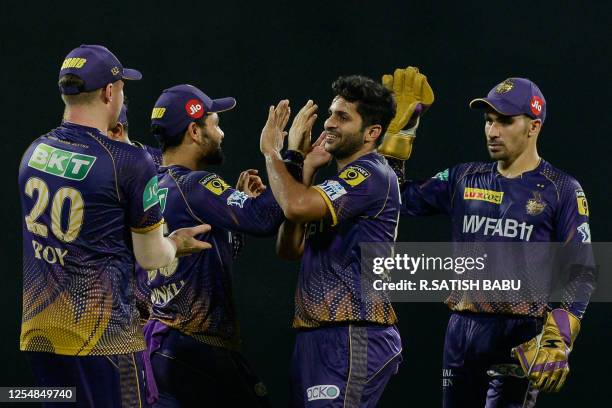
(213, 154)
(352, 143)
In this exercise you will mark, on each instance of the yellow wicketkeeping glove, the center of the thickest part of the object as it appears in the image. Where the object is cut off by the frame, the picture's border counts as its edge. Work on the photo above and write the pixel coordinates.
(545, 357)
(413, 95)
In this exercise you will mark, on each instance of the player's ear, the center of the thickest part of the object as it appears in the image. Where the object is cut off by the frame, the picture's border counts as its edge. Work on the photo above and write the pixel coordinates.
(192, 131)
(108, 93)
(372, 133)
(116, 133)
(534, 127)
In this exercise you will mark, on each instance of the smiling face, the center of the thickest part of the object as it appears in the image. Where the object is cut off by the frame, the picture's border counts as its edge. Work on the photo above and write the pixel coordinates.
(344, 127)
(508, 137)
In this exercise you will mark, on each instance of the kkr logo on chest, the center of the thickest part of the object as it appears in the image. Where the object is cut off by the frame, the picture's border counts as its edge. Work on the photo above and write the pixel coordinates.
(480, 194)
(62, 163)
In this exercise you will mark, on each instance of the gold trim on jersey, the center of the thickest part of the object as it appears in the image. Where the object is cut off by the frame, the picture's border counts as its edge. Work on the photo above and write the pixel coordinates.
(144, 230)
(329, 205)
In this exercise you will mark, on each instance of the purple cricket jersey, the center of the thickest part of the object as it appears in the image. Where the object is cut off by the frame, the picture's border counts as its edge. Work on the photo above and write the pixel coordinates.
(194, 293)
(364, 203)
(542, 205)
(80, 191)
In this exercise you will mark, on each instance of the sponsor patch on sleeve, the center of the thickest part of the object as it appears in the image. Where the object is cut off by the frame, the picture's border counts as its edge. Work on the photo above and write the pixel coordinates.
(150, 194)
(214, 183)
(442, 176)
(583, 206)
(354, 175)
(585, 232)
(237, 198)
(332, 189)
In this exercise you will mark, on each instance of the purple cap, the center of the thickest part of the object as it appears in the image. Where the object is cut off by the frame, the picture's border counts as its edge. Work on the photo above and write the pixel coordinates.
(180, 105)
(123, 115)
(96, 66)
(514, 96)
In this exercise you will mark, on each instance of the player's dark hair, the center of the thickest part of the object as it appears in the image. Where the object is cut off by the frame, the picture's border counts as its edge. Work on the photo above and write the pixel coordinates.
(375, 103)
(169, 141)
(73, 81)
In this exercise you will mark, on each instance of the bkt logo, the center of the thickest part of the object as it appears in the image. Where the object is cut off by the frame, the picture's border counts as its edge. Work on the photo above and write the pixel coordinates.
(322, 392)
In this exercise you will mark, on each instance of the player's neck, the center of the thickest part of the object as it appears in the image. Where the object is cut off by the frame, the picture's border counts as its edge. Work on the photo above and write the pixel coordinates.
(179, 157)
(342, 163)
(86, 117)
(527, 161)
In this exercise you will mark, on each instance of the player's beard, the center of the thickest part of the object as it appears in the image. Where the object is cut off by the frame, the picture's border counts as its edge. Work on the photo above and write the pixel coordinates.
(348, 144)
(212, 152)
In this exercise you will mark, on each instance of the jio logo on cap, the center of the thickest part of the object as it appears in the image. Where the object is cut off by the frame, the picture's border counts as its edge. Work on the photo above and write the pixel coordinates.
(194, 108)
(536, 105)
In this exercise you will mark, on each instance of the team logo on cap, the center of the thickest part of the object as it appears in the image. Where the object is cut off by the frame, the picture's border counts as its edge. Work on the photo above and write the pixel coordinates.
(115, 70)
(536, 104)
(504, 87)
(158, 113)
(194, 108)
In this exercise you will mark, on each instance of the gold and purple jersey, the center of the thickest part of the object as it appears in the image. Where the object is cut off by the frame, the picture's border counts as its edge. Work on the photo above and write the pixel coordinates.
(542, 205)
(364, 204)
(82, 195)
(194, 293)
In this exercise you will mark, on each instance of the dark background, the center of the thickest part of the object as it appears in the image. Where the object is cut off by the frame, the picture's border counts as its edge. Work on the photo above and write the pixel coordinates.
(261, 52)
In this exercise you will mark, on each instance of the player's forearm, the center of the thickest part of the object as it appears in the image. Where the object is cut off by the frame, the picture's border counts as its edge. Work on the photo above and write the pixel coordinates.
(290, 241)
(308, 175)
(152, 250)
(287, 191)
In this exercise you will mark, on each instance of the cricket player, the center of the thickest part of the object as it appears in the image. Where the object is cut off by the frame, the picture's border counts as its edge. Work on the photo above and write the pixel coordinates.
(518, 197)
(193, 334)
(90, 206)
(347, 346)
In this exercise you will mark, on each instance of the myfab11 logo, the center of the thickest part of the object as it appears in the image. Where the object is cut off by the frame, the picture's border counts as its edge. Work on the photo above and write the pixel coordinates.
(62, 163)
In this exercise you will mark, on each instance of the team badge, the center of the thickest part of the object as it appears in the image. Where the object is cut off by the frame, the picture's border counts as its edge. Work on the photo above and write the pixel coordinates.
(583, 206)
(354, 175)
(505, 86)
(535, 205)
(115, 70)
(214, 183)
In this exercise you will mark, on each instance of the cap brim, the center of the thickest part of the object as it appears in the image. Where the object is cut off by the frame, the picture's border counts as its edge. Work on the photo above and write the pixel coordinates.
(131, 74)
(222, 104)
(484, 103)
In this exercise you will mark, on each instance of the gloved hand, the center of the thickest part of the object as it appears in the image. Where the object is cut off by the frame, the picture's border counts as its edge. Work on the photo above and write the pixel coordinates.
(545, 357)
(413, 95)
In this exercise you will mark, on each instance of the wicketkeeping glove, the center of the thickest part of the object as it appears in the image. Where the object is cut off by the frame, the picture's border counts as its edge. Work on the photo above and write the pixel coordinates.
(545, 357)
(413, 95)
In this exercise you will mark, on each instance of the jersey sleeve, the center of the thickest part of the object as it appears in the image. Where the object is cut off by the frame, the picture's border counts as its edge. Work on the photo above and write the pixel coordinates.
(432, 196)
(576, 260)
(215, 202)
(359, 190)
(137, 179)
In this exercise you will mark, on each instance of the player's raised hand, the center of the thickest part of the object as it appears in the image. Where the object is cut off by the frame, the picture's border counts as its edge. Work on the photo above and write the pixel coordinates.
(273, 134)
(186, 244)
(301, 128)
(318, 157)
(250, 183)
(413, 95)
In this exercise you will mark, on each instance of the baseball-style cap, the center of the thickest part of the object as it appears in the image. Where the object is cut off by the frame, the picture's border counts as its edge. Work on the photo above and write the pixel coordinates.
(180, 105)
(96, 66)
(514, 96)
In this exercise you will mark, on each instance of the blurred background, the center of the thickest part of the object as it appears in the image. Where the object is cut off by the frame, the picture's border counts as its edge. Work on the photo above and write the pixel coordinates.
(261, 52)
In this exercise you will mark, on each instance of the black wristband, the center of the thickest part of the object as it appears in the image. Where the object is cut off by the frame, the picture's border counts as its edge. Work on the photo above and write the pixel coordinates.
(294, 161)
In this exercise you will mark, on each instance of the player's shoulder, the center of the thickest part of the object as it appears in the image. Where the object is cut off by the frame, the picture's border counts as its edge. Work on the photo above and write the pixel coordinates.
(557, 178)
(155, 153)
(197, 181)
(371, 166)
